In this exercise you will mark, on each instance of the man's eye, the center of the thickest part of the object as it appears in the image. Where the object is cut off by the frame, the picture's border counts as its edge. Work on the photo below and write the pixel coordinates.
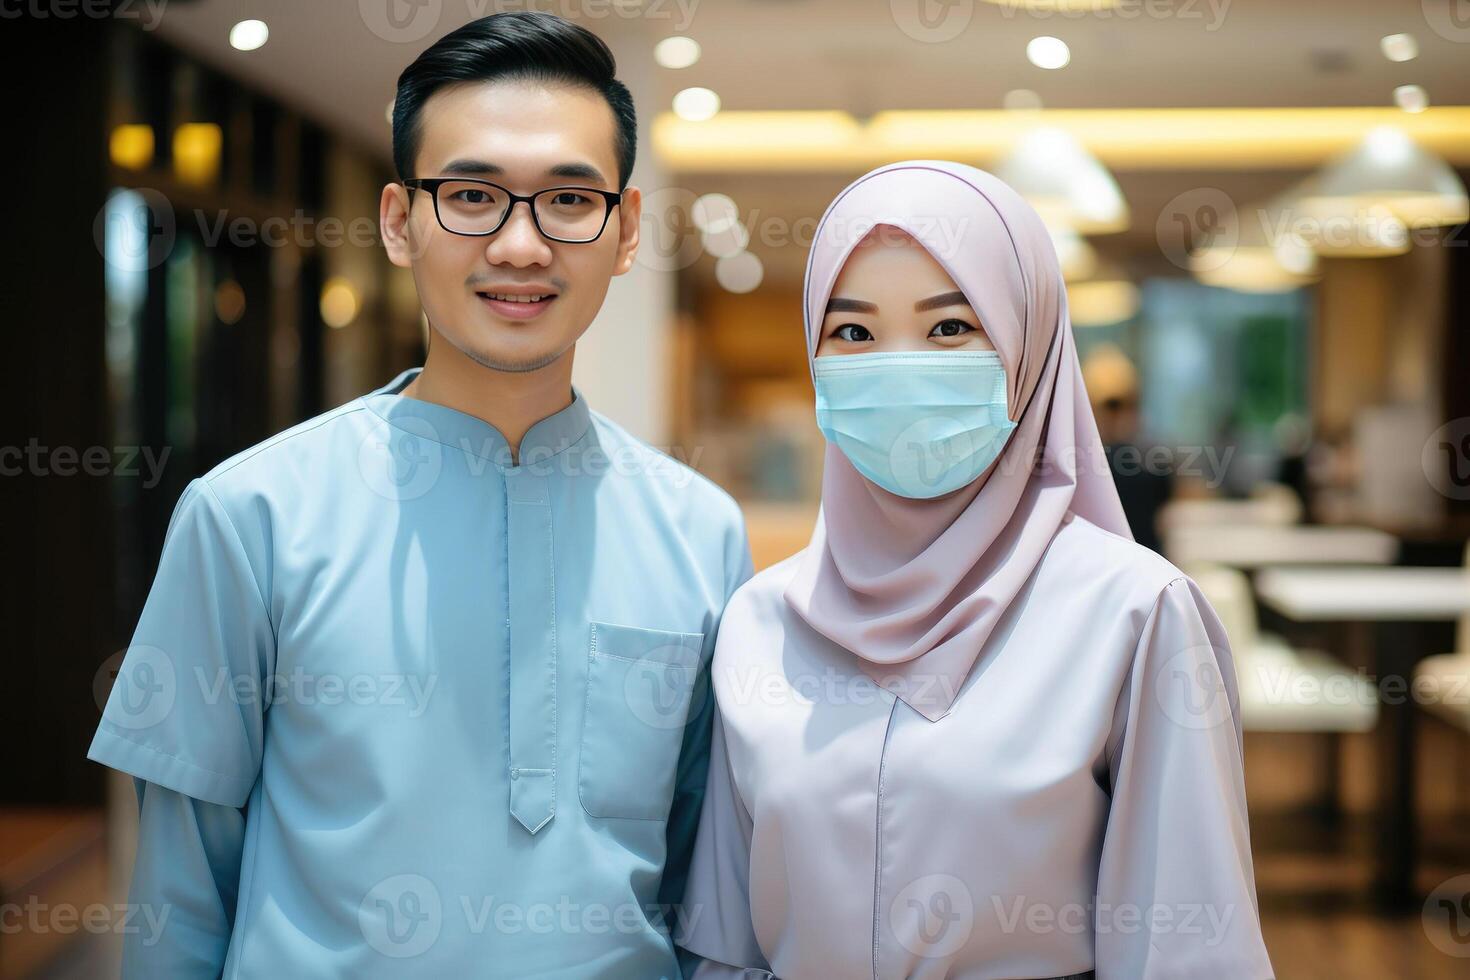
(855, 332)
(950, 328)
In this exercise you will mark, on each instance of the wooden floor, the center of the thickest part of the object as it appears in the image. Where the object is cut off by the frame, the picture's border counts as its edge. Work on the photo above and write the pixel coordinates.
(1314, 888)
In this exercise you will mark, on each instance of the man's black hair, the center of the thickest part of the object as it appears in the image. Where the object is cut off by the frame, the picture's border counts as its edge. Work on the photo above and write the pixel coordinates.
(513, 45)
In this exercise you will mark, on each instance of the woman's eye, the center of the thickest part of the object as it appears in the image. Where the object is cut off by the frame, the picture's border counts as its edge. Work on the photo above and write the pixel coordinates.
(855, 332)
(950, 328)
(473, 197)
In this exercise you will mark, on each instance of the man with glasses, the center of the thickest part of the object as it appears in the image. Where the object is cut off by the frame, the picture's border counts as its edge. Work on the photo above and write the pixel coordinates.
(420, 687)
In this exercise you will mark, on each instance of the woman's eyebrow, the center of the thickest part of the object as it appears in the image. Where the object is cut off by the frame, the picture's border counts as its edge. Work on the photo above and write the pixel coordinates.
(955, 298)
(839, 305)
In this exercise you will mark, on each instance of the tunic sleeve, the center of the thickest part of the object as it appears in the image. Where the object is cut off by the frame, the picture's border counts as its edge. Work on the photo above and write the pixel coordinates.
(187, 709)
(1176, 890)
(185, 881)
(717, 923)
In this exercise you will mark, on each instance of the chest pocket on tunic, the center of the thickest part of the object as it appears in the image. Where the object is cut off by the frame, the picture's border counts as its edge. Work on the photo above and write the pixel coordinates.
(639, 686)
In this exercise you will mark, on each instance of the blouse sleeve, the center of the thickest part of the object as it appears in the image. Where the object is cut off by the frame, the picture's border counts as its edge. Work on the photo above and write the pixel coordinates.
(185, 880)
(1176, 891)
(716, 922)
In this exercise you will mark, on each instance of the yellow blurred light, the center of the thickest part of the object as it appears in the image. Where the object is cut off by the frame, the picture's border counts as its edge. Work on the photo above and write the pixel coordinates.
(340, 302)
(1129, 139)
(197, 152)
(229, 301)
(1099, 302)
(131, 146)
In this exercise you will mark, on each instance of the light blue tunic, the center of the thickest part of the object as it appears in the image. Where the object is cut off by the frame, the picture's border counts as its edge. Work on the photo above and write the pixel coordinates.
(464, 705)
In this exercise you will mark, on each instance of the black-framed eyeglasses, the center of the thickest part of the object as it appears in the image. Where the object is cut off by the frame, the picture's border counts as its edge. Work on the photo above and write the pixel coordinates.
(470, 206)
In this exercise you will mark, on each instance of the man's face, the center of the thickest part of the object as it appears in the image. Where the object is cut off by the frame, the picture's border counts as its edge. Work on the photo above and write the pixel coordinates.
(526, 136)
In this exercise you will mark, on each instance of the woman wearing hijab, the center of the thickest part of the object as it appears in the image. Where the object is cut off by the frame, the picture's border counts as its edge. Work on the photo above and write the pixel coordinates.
(972, 730)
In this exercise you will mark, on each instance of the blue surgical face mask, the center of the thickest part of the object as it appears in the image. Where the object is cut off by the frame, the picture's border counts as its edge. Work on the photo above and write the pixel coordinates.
(918, 424)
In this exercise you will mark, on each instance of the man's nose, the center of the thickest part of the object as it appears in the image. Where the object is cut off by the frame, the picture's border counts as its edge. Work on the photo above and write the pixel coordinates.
(518, 243)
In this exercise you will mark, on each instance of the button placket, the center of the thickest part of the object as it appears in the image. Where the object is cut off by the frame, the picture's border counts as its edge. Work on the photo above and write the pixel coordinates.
(532, 649)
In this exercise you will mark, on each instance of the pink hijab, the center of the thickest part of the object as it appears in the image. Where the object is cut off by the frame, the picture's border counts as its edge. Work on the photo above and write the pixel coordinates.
(914, 588)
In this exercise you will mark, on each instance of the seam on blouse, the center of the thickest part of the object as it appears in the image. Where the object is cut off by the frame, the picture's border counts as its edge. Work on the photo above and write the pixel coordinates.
(878, 837)
(1125, 689)
(240, 542)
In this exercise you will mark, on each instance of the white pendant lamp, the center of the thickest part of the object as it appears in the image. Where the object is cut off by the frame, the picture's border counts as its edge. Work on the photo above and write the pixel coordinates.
(1077, 258)
(1257, 250)
(1389, 170)
(1064, 182)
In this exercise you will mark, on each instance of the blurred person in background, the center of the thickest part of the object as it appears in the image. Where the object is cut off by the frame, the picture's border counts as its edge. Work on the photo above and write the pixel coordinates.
(973, 698)
(437, 654)
(1141, 471)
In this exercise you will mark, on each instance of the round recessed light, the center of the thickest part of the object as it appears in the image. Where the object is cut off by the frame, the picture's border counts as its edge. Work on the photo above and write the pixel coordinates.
(1048, 52)
(1411, 98)
(249, 35)
(1399, 47)
(676, 52)
(696, 104)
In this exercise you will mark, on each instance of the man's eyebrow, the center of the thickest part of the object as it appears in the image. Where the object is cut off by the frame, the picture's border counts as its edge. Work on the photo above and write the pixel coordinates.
(839, 305)
(578, 171)
(955, 298)
(470, 167)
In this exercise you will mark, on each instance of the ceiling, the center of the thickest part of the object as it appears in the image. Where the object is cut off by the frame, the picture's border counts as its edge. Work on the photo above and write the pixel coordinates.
(338, 60)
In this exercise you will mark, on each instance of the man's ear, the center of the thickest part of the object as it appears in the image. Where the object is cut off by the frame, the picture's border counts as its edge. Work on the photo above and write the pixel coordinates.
(630, 214)
(393, 223)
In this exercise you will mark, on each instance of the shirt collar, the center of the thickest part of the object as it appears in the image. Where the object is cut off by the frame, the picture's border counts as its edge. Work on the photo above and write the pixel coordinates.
(459, 430)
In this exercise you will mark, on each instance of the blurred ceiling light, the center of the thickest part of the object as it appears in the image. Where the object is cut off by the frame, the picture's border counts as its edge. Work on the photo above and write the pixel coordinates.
(1099, 302)
(739, 273)
(1065, 183)
(676, 52)
(340, 302)
(197, 152)
(1399, 47)
(1077, 258)
(1021, 100)
(1133, 139)
(1048, 52)
(714, 212)
(696, 104)
(1411, 98)
(249, 35)
(1257, 250)
(1389, 170)
(728, 239)
(1349, 231)
(131, 146)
